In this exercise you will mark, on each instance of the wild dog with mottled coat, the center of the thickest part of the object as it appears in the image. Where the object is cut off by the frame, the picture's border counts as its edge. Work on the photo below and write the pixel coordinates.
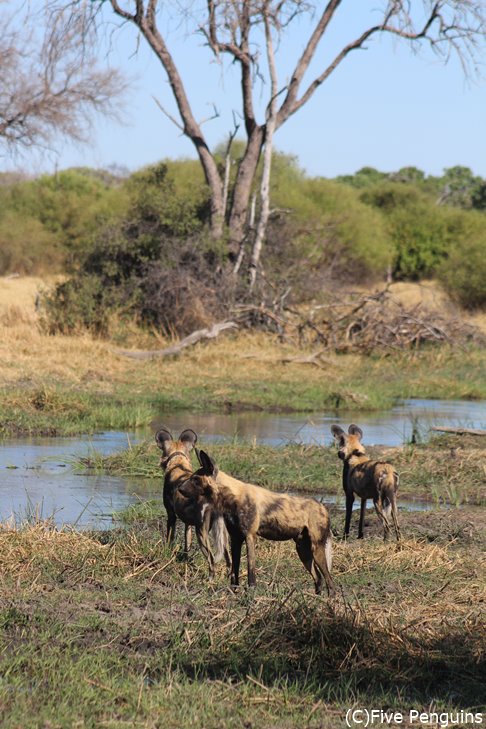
(250, 511)
(176, 463)
(367, 479)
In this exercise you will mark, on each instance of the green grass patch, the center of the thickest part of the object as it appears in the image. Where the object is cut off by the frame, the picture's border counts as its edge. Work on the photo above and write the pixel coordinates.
(58, 411)
(114, 629)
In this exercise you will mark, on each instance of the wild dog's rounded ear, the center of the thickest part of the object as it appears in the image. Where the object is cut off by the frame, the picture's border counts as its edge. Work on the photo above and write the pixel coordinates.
(198, 455)
(354, 430)
(161, 436)
(209, 467)
(188, 437)
(337, 431)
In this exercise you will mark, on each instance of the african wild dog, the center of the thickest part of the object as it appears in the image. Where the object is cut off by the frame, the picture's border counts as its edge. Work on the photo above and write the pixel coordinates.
(176, 463)
(367, 479)
(251, 511)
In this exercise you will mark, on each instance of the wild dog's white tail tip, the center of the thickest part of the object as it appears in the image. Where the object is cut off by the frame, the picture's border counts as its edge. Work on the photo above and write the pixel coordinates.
(219, 537)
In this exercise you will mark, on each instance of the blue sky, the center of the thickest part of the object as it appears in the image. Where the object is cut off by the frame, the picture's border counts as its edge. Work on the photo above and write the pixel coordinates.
(385, 106)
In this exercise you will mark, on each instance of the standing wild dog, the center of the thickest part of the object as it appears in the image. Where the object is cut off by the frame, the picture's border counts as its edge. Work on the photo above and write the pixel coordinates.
(367, 479)
(176, 463)
(251, 511)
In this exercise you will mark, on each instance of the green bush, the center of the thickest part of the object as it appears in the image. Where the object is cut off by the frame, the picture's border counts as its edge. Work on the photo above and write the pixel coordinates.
(80, 303)
(422, 232)
(463, 273)
(153, 265)
(58, 215)
(26, 247)
(173, 195)
(327, 232)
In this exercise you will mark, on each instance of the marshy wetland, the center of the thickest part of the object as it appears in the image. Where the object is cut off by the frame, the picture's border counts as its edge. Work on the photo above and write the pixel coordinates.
(104, 624)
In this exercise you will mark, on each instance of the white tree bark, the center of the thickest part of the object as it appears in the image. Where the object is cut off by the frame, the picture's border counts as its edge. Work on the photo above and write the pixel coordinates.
(270, 127)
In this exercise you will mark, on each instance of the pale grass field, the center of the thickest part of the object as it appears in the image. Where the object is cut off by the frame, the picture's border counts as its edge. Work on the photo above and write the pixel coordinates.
(26, 353)
(30, 357)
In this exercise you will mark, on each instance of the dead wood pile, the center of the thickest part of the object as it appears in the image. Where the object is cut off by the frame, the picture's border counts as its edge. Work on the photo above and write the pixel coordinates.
(360, 323)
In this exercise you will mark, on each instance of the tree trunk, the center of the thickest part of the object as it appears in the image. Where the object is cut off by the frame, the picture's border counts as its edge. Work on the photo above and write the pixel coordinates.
(267, 158)
(242, 191)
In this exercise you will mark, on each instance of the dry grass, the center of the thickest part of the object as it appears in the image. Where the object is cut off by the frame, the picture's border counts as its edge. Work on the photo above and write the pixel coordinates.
(432, 296)
(144, 628)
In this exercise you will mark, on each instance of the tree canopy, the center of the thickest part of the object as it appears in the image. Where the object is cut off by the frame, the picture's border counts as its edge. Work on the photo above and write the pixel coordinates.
(252, 34)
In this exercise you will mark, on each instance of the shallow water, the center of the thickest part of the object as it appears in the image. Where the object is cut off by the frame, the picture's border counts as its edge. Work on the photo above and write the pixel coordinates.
(387, 427)
(36, 476)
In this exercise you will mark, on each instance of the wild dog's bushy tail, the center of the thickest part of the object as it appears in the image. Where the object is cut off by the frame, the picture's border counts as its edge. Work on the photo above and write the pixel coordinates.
(328, 550)
(387, 488)
(219, 536)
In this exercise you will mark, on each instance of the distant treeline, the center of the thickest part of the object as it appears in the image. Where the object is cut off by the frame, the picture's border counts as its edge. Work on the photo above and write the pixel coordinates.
(138, 243)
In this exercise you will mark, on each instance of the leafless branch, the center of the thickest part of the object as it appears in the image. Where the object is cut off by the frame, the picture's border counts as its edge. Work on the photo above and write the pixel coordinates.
(169, 116)
(47, 91)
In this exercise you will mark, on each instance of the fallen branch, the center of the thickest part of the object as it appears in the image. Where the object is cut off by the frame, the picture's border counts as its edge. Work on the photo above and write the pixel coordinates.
(175, 349)
(458, 431)
(316, 359)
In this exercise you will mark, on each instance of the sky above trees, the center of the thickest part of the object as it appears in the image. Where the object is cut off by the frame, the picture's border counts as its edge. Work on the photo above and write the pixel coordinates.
(386, 106)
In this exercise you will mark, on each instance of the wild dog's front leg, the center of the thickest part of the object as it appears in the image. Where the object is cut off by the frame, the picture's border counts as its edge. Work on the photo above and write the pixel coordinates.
(171, 525)
(187, 539)
(236, 543)
(202, 535)
(349, 511)
(251, 559)
(361, 519)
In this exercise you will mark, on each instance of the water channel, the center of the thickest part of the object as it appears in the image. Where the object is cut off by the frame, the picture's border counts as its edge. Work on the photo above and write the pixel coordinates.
(36, 476)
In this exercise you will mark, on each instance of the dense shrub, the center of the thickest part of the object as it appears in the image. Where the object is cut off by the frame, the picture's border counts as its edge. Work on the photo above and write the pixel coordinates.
(80, 303)
(463, 273)
(154, 265)
(422, 232)
(26, 247)
(173, 195)
(322, 231)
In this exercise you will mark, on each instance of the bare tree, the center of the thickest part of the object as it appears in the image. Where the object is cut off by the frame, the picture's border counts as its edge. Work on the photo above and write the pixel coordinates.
(50, 86)
(238, 28)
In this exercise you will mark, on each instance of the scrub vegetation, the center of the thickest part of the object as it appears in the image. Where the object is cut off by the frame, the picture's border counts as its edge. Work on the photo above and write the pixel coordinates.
(135, 250)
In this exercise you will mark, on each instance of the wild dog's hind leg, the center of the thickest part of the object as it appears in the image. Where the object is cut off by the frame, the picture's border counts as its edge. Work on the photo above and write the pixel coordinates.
(395, 518)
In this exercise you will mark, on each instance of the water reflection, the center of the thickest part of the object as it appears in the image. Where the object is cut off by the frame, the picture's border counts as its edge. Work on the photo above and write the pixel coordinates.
(390, 427)
(35, 475)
